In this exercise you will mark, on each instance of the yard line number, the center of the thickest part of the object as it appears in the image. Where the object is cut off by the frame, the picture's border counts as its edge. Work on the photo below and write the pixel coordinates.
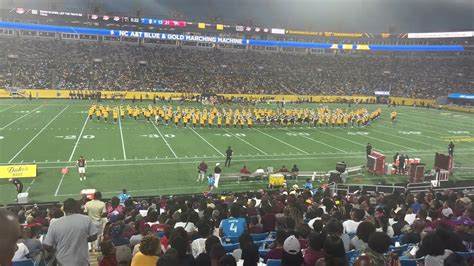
(155, 136)
(232, 135)
(295, 134)
(73, 137)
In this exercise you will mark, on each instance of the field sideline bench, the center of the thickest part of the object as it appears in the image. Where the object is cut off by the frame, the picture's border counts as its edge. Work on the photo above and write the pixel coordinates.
(313, 175)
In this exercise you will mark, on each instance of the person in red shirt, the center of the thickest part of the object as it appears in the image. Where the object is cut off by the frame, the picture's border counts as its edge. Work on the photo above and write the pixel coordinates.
(314, 252)
(244, 172)
(202, 170)
(108, 253)
(254, 226)
(276, 253)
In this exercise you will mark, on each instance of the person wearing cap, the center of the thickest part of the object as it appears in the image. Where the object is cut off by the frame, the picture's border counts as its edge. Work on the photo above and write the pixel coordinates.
(217, 175)
(462, 226)
(17, 183)
(292, 255)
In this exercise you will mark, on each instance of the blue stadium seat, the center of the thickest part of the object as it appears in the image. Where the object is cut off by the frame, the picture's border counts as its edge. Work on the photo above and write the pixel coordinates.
(23, 263)
(410, 262)
(230, 247)
(467, 254)
(267, 242)
(399, 250)
(263, 252)
(258, 237)
(231, 239)
(273, 262)
(351, 256)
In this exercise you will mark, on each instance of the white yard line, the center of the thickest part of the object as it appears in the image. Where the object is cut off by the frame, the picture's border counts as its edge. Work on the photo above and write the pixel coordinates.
(78, 139)
(166, 142)
(284, 142)
(216, 160)
(415, 129)
(37, 134)
(3, 110)
(59, 185)
(30, 112)
(391, 143)
(345, 139)
(212, 146)
(29, 187)
(250, 144)
(437, 123)
(406, 138)
(72, 155)
(322, 143)
(121, 137)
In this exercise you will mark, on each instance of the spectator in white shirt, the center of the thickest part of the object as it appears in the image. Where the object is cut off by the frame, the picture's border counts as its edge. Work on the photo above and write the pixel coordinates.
(350, 226)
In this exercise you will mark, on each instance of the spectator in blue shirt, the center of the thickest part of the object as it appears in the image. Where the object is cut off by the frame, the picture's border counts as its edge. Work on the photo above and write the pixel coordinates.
(123, 196)
(308, 184)
(235, 225)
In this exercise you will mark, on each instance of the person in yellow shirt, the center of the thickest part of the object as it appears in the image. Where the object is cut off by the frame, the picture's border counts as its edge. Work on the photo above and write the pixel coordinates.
(122, 112)
(147, 114)
(202, 121)
(136, 113)
(176, 119)
(148, 252)
(115, 115)
(106, 115)
(194, 120)
(98, 113)
(227, 121)
(249, 122)
(393, 116)
(90, 113)
(185, 120)
(219, 121)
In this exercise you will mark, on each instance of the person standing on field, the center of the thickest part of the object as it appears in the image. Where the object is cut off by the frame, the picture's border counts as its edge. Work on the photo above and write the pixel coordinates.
(81, 167)
(228, 156)
(217, 175)
(202, 170)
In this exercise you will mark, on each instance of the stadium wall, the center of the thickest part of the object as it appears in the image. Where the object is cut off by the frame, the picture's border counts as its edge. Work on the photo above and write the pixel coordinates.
(65, 94)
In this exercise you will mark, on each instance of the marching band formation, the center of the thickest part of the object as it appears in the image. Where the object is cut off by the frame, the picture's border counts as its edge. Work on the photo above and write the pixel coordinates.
(238, 117)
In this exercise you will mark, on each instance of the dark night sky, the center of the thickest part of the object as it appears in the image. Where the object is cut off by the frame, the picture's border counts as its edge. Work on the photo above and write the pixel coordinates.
(319, 15)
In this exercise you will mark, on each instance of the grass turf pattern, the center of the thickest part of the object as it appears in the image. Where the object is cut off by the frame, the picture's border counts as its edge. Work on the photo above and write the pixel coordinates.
(155, 160)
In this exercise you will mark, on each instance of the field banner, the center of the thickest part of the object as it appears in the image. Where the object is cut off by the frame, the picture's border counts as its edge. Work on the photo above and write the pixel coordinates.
(18, 171)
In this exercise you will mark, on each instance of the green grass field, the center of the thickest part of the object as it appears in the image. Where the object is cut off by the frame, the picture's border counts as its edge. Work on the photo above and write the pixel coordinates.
(149, 160)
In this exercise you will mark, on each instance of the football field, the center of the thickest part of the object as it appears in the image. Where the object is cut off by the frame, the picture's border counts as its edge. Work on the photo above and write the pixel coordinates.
(155, 160)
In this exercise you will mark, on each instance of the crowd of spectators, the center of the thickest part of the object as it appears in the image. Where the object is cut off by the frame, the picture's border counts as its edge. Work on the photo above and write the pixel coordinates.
(70, 65)
(294, 226)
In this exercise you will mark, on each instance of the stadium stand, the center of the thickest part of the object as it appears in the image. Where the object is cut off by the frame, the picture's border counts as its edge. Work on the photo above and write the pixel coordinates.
(150, 67)
(294, 225)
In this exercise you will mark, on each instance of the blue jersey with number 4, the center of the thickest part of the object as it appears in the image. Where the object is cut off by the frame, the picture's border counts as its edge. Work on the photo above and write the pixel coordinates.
(233, 226)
